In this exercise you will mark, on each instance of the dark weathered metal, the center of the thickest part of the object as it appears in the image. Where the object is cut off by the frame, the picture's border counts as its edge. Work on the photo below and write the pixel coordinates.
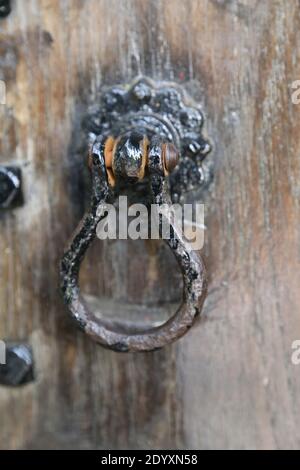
(5, 8)
(137, 137)
(19, 365)
(162, 109)
(10, 187)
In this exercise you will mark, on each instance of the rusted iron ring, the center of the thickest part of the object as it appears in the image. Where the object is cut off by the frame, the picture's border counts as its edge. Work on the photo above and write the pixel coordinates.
(108, 333)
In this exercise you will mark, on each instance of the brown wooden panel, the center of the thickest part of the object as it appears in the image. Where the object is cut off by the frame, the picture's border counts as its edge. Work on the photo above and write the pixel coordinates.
(230, 382)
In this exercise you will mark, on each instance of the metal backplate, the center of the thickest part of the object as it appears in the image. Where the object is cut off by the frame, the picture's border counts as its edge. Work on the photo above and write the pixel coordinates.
(160, 108)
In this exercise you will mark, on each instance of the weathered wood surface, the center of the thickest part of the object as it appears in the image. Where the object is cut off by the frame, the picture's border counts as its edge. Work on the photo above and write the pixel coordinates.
(230, 382)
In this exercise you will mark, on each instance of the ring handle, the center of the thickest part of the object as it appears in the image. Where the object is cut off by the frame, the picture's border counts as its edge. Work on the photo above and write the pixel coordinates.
(107, 333)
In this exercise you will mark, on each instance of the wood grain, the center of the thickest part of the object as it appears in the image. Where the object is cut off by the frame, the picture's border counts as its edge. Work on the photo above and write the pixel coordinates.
(230, 383)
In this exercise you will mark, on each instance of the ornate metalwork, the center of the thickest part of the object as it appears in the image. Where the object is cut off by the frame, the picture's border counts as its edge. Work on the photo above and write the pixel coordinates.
(162, 109)
(136, 135)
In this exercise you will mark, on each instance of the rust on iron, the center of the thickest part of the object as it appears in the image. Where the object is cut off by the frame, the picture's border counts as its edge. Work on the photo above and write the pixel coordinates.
(136, 141)
(157, 108)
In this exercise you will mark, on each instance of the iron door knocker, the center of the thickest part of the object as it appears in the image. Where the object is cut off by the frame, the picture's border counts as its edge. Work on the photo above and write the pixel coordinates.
(137, 134)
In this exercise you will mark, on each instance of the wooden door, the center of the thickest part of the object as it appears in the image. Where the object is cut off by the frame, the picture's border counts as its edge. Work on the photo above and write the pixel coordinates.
(230, 382)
